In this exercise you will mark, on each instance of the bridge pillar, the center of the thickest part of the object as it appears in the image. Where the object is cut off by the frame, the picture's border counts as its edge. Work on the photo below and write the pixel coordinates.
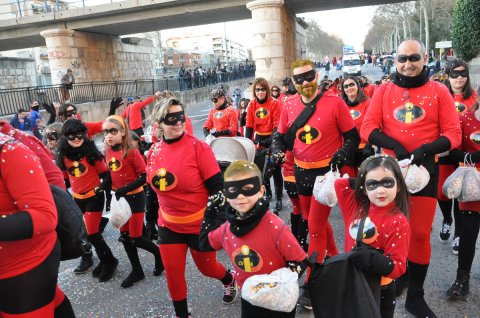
(273, 39)
(59, 45)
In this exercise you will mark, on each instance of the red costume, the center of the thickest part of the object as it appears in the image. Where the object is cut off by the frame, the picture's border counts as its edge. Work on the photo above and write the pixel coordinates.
(83, 176)
(368, 90)
(263, 118)
(358, 114)
(133, 113)
(223, 119)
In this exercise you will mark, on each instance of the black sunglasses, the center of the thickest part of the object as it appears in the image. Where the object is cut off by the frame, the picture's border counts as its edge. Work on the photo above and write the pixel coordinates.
(307, 76)
(263, 89)
(214, 99)
(275, 90)
(456, 74)
(113, 131)
(412, 58)
(52, 136)
(78, 136)
(345, 86)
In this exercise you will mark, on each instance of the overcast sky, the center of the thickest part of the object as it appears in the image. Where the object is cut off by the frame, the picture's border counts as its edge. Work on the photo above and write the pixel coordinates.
(351, 25)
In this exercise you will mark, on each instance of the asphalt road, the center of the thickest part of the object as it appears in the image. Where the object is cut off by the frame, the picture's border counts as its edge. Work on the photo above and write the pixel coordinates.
(149, 298)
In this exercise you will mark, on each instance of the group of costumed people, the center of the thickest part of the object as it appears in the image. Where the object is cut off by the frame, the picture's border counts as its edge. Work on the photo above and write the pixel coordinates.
(188, 203)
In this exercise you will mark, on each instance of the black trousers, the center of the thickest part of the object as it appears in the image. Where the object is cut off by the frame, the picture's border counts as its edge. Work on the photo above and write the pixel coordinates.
(251, 311)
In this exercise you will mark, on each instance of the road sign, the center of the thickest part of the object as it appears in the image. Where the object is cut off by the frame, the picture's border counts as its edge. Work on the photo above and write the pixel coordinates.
(443, 45)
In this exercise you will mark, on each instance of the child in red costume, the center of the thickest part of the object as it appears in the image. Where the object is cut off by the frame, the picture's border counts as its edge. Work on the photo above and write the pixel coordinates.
(183, 172)
(357, 103)
(414, 116)
(381, 193)
(458, 83)
(468, 218)
(222, 121)
(30, 255)
(127, 170)
(256, 240)
(88, 176)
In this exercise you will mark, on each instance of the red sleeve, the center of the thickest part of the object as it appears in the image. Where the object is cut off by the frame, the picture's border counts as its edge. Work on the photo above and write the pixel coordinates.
(346, 198)
(276, 113)
(124, 114)
(397, 244)
(138, 161)
(29, 188)
(233, 126)
(283, 122)
(209, 122)
(94, 128)
(374, 115)
(250, 121)
(344, 119)
(207, 164)
(144, 103)
(448, 117)
(216, 237)
(188, 125)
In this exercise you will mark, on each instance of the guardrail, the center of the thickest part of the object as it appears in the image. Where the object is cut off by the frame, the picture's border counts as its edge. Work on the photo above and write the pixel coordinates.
(13, 99)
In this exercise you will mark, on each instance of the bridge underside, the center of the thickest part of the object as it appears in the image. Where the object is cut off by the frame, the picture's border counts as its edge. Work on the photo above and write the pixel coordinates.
(136, 16)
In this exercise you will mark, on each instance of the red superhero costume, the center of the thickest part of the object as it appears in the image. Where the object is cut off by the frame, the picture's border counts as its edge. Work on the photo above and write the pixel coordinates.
(222, 119)
(133, 113)
(368, 90)
(263, 118)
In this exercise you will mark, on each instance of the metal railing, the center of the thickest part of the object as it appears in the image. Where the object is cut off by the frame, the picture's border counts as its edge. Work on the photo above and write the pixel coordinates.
(13, 99)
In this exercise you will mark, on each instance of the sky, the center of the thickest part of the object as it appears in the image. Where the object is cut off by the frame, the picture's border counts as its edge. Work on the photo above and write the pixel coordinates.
(351, 25)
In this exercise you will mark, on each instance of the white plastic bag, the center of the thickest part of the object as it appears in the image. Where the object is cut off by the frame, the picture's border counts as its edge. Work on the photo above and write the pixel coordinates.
(416, 177)
(276, 291)
(470, 186)
(452, 187)
(324, 188)
(464, 182)
(120, 212)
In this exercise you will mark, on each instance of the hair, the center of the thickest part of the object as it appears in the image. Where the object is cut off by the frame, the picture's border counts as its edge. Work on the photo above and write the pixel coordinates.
(21, 110)
(262, 82)
(62, 111)
(423, 49)
(451, 65)
(56, 127)
(242, 167)
(300, 63)
(126, 140)
(275, 86)
(73, 126)
(360, 94)
(160, 110)
(389, 163)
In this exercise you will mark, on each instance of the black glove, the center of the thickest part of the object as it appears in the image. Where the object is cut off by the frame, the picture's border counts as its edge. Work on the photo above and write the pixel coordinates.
(371, 261)
(338, 160)
(114, 104)
(215, 205)
(419, 156)
(49, 108)
(216, 133)
(265, 142)
(206, 131)
(368, 151)
(151, 231)
(278, 158)
(400, 152)
(120, 193)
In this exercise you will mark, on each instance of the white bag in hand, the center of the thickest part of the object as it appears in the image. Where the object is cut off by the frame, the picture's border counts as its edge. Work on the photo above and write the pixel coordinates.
(471, 186)
(276, 291)
(120, 212)
(324, 188)
(416, 177)
(452, 187)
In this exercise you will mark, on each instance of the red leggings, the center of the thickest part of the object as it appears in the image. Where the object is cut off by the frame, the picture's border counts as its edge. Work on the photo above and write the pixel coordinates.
(174, 259)
(422, 211)
(134, 225)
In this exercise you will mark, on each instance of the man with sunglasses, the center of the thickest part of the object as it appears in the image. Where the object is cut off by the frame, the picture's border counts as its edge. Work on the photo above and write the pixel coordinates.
(413, 117)
(222, 121)
(321, 133)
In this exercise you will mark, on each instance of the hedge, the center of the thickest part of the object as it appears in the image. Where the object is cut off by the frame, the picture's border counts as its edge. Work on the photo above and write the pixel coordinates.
(466, 29)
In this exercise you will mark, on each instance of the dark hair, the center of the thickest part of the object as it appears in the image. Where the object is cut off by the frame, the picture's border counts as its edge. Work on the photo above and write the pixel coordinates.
(389, 163)
(21, 110)
(360, 95)
(262, 82)
(62, 110)
(451, 65)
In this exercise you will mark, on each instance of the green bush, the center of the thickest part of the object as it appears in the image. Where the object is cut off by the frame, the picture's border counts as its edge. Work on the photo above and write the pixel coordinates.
(466, 29)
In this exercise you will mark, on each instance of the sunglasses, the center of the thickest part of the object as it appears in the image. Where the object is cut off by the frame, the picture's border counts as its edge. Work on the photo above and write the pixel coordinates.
(372, 184)
(52, 136)
(70, 112)
(78, 136)
(346, 86)
(275, 90)
(214, 99)
(412, 58)
(263, 89)
(113, 131)
(307, 76)
(457, 74)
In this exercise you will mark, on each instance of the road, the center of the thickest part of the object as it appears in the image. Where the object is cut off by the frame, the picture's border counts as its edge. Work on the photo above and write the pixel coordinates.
(149, 298)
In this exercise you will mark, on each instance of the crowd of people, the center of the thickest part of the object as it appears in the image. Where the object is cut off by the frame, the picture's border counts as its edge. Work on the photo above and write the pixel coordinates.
(180, 196)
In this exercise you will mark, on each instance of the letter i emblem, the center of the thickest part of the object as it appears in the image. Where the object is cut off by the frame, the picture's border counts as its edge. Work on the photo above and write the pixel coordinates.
(308, 135)
(409, 112)
(76, 170)
(163, 181)
(247, 265)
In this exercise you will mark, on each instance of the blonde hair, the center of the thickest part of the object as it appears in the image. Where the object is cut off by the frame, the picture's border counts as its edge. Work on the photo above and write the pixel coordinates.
(126, 143)
(300, 63)
(160, 110)
(242, 167)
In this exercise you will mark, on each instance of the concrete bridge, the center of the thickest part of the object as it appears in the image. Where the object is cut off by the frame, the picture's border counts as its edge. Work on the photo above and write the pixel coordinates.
(66, 33)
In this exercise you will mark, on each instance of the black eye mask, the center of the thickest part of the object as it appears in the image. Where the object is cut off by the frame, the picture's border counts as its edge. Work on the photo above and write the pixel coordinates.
(247, 187)
(307, 76)
(171, 119)
(372, 184)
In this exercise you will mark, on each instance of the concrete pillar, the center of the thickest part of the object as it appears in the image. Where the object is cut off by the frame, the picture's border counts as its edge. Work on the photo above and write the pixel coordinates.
(59, 46)
(474, 68)
(274, 39)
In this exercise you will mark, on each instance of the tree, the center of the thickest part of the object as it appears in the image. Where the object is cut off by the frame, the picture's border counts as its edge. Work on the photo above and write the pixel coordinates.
(466, 29)
(320, 43)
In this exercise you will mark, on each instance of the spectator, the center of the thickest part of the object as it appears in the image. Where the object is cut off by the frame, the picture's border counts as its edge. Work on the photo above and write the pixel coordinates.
(21, 121)
(67, 82)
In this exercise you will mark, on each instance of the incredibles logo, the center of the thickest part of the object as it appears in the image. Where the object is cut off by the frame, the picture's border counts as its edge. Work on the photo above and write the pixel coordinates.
(475, 137)
(370, 232)
(355, 114)
(409, 113)
(308, 135)
(218, 115)
(261, 113)
(247, 259)
(77, 169)
(114, 164)
(164, 180)
(461, 108)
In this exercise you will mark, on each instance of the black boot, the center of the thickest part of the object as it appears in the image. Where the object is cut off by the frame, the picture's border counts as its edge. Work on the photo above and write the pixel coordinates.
(105, 255)
(278, 196)
(415, 302)
(461, 286)
(295, 220)
(303, 234)
(181, 309)
(146, 244)
(136, 274)
(86, 261)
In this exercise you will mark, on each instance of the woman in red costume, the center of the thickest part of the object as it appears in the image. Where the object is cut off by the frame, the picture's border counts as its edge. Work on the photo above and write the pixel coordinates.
(183, 172)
